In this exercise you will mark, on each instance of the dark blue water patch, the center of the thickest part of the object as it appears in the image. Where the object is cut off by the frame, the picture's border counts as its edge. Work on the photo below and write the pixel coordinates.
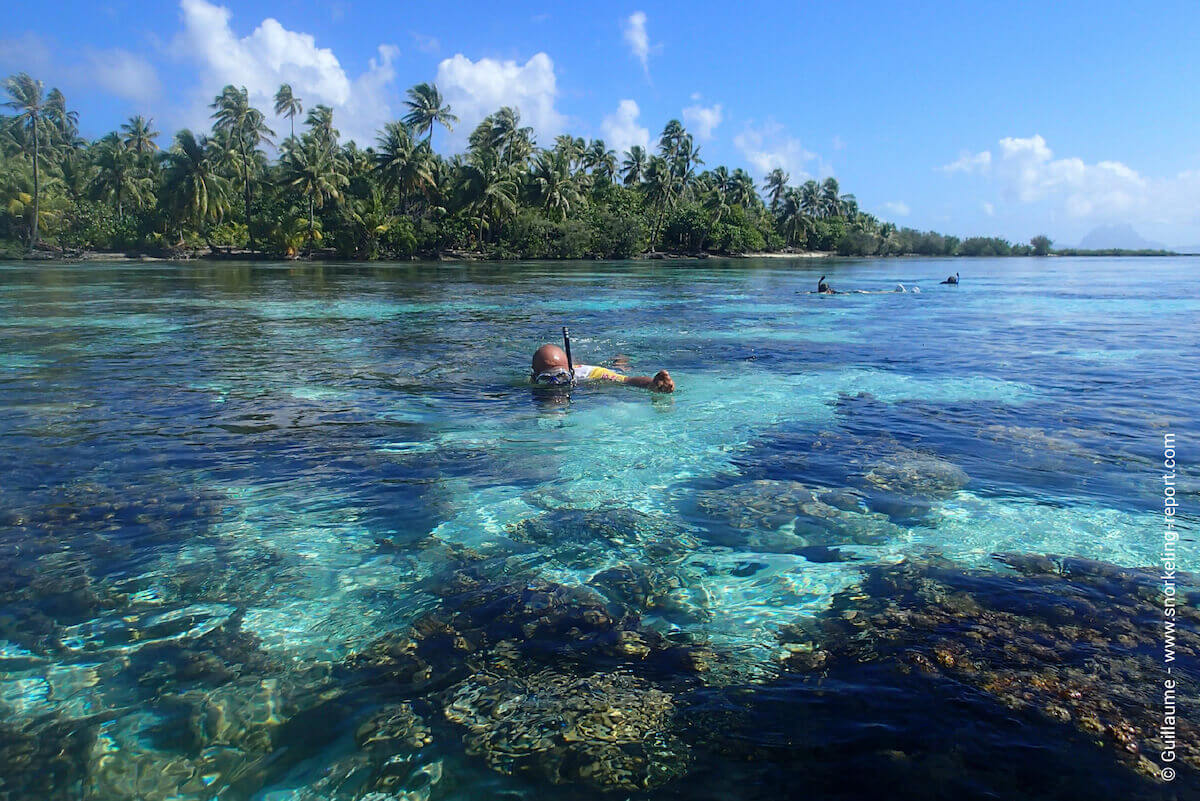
(872, 732)
(1030, 450)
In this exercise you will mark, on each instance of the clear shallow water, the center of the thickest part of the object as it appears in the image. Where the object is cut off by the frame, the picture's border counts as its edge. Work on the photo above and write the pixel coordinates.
(222, 484)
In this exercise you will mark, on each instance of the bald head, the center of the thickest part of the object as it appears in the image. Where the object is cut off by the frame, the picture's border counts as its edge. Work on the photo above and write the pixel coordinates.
(548, 357)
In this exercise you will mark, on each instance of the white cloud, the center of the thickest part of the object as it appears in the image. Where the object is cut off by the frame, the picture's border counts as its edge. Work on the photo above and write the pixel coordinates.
(475, 89)
(980, 162)
(621, 130)
(638, 39)
(1025, 171)
(272, 55)
(116, 72)
(123, 74)
(426, 44)
(703, 119)
(768, 146)
(989, 209)
(898, 208)
(28, 53)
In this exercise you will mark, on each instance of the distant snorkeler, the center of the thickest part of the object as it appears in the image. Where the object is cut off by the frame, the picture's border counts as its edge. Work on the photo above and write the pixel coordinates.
(551, 368)
(901, 288)
(952, 280)
(824, 288)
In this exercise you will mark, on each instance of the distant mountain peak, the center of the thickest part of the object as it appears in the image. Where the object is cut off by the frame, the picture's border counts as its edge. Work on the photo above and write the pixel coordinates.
(1117, 235)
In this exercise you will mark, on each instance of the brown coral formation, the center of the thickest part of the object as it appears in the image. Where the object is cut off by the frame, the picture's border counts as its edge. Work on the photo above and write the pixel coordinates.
(611, 730)
(817, 516)
(547, 680)
(481, 621)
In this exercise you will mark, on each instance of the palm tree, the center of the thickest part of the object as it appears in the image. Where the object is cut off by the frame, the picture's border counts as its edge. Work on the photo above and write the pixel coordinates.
(633, 168)
(197, 192)
(247, 129)
(427, 109)
(741, 190)
(716, 201)
(508, 137)
(138, 136)
(658, 190)
(403, 164)
(309, 168)
(64, 123)
(793, 219)
(26, 99)
(830, 199)
(600, 160)
(116, 177)
(810, 199)
(571, 148)
(490, 191)
(687, 158)
(669, 140)
(320, 125)
(553, 184)
(288, 105)
(775, 185)
(848, 206)
(371, 218)
(74, 172)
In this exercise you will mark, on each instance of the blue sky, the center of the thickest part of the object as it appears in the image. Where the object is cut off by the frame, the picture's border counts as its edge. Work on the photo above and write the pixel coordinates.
(969, 118)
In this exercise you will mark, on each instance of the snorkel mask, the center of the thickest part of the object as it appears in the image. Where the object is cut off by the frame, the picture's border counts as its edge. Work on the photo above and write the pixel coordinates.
(555, 377)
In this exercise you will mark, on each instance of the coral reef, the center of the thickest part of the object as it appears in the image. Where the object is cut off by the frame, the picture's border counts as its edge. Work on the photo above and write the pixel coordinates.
(548, 680)
(533, 620)
(912, 473)
(45, 761)
(786, 516)
(611, 730)
(572, 535)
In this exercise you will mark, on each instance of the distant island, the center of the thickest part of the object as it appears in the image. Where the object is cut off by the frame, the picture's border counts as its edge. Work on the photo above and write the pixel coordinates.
(217, 193)
(1117, 236)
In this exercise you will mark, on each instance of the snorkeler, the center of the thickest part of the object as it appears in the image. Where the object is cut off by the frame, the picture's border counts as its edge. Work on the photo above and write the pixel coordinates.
(952, 280)
(552, 368)
(824, 288)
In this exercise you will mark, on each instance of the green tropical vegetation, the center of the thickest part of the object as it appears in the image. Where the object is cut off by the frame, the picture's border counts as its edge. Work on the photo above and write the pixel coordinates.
(220, 191)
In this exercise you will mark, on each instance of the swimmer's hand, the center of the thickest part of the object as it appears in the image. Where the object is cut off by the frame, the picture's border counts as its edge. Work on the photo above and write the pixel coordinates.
(661, 382)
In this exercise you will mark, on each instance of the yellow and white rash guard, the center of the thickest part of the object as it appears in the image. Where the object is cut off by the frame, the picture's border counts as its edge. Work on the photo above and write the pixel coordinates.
(588, 372)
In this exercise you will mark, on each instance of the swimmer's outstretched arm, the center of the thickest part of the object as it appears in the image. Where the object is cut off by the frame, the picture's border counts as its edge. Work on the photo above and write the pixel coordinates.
(659, 382)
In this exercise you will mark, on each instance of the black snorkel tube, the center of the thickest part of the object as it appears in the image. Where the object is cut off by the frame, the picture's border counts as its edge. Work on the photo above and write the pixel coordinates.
(567, 348)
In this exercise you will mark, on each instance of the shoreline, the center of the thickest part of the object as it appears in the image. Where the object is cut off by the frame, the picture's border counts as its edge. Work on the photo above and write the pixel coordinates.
(463, 256)
(450, 256)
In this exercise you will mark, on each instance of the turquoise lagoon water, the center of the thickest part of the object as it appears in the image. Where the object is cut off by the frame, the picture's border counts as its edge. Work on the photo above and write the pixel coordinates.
(222, 484)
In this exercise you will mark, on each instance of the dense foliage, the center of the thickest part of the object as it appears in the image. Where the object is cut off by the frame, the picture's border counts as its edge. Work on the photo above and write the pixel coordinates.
(504, 197)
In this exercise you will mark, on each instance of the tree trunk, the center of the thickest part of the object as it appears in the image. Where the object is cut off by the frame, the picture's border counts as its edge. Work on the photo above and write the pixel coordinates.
(33, 239)
(658, 221)
(246, 184)
(311, 225)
